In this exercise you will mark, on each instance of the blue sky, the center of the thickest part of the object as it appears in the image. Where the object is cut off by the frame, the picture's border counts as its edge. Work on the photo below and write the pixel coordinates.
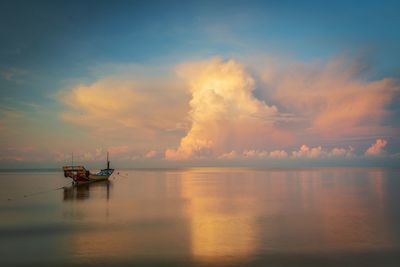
(50, 46)
(41, 35)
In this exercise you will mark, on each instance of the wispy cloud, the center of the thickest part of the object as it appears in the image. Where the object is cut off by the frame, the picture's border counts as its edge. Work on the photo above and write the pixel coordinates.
(332, 97)
(151, 154)
(130, 111)
(12, 74)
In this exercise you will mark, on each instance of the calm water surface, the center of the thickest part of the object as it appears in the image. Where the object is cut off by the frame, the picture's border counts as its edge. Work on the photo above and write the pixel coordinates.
(203, 217)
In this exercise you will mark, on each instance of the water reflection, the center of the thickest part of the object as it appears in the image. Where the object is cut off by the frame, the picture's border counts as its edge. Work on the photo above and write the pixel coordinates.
(82, 191)
(222, 220)
(241, 215)
(235, 217)
(330, 211)
(141, 219)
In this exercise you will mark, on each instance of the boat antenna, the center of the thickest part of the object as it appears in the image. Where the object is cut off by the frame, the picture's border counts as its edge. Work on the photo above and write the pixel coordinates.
(108, 162)
(72, 159)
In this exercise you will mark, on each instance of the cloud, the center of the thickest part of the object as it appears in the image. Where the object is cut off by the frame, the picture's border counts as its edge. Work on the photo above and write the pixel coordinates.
(12, 74)
(151, 154)
(224, 114)
(376, 149)
(307, 152)
(218, 109)
(330, 99)
(112, 102)
(254, 153)
(278, 154)
(303, 152)
(128, 112)
(342, 152)
(116, 150)
(231, 155)
(318, 152)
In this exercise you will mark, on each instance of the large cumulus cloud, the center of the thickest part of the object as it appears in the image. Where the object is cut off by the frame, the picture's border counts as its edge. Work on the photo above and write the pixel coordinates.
(219, 109)
(224, 113)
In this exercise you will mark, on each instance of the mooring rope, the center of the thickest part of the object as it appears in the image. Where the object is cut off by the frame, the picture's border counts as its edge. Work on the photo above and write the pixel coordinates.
(120, 175)
(35, 194)
(50, 190)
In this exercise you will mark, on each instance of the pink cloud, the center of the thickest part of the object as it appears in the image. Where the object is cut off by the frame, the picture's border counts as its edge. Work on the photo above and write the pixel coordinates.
(307, 152)
(377, 148)
(330, 99)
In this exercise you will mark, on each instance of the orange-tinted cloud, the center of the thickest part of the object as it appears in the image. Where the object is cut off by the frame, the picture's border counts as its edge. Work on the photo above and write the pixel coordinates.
(129, 114)
(225, 115)
(219, 110)
(114, 102)
(376, 149)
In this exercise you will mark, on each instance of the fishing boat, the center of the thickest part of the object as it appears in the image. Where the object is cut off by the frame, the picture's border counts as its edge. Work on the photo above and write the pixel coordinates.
(79, 174)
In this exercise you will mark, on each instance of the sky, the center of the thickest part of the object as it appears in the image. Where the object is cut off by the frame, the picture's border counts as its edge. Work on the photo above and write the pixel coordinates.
(199, 83)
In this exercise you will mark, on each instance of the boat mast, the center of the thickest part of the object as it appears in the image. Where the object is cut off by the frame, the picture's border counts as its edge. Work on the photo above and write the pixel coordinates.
(108, 162)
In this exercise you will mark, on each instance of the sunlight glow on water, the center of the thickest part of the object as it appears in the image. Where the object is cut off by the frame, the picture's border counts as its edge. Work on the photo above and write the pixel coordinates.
(235, 217)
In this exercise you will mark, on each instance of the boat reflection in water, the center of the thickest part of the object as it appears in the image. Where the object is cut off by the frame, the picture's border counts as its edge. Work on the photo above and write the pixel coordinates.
(83, 191)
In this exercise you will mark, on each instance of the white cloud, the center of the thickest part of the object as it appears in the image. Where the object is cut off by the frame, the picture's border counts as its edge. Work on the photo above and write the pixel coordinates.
(224, 114)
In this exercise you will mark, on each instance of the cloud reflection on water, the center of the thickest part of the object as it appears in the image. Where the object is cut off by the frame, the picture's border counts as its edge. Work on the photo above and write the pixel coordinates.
(215, 215)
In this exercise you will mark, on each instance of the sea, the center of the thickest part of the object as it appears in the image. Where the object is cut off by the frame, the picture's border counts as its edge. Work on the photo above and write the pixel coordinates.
(202, 217)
